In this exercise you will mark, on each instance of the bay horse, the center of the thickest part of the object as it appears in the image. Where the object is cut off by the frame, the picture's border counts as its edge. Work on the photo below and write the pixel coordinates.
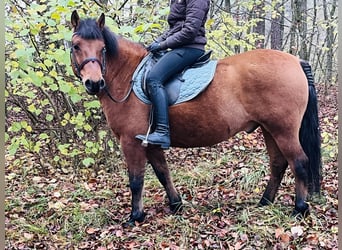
(262, 88)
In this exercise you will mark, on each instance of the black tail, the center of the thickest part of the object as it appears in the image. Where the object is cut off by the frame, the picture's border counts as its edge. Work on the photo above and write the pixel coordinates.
(309, 135)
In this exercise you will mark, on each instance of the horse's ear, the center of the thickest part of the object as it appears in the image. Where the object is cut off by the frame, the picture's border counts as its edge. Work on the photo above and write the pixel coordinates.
(101, 21)
(75, 19)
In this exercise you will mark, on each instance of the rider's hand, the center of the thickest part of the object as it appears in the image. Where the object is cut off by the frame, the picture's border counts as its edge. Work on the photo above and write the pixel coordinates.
(153, 47)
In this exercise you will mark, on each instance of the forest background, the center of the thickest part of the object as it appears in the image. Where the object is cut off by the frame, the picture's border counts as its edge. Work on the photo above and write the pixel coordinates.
(66, 185)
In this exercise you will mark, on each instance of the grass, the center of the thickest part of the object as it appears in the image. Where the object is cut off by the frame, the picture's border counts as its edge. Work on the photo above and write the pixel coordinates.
(220, 194)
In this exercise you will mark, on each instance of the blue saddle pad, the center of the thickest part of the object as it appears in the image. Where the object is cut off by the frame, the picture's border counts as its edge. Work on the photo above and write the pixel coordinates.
(182, 87)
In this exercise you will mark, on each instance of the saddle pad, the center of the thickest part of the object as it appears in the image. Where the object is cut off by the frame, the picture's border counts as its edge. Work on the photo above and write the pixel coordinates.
(192, 81)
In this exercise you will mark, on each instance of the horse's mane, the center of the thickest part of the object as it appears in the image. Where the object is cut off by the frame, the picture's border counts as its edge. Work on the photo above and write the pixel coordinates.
(89, 29)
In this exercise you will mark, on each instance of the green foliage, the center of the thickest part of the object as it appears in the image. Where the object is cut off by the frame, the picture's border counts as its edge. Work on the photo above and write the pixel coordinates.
(48, 111)
(227, 36)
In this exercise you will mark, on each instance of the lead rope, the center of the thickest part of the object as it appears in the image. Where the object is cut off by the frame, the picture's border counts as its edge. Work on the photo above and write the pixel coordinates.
(144, 143)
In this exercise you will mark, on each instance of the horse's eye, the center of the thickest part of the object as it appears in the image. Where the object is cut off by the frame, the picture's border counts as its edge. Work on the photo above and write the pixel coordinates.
(76, 47)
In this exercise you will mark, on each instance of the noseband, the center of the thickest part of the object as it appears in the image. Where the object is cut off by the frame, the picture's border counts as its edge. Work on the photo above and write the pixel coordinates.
(79, 67)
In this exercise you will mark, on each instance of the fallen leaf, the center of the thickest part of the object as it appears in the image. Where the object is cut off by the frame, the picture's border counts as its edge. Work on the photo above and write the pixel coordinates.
(312, 239)
(278, 232)
(56, 205)
(36, 179)
(57, 194)
(297, 231)
(118, 233)
(28, 236)
(238, 246)
(285, 238)
(91, 230)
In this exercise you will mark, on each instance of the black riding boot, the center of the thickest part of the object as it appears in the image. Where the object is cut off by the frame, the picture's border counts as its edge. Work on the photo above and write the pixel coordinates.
(161, 135)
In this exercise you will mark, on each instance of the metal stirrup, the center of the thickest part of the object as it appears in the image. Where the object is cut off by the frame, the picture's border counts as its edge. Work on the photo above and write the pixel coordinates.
(144, 142)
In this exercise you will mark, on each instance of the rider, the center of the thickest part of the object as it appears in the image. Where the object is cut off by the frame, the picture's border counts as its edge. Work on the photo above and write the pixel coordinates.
(186, 39)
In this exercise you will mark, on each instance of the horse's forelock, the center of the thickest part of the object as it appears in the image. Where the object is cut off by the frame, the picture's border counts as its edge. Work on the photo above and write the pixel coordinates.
(89, 29)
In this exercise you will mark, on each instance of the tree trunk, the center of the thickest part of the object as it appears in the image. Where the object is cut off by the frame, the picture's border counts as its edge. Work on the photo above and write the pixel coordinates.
(277, 27)
(303, 29)
(259, 13)
(329, 39)
(227, 6)
(299, 29)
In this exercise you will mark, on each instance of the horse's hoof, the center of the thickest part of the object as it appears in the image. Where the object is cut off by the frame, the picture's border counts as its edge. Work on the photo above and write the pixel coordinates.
(301, 212)
(177, 206)
(136, 217)
(264, 202)
(128, 224)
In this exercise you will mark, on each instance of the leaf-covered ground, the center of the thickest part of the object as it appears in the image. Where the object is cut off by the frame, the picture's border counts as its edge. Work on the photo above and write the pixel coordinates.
(63, 208)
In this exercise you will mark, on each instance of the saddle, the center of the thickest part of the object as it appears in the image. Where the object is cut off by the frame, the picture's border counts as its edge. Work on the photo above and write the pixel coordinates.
(183, 86)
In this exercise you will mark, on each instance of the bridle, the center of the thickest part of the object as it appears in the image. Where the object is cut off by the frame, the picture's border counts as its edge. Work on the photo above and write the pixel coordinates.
(102, 64)
(79, 67)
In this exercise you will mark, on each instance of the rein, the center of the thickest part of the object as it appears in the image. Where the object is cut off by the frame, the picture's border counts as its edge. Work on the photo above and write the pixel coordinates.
(105, 88)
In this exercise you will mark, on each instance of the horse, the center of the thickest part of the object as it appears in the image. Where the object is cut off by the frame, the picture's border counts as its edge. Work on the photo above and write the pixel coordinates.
(262, 88)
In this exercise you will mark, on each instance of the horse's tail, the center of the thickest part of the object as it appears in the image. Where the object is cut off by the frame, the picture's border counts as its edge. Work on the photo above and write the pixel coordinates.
(309, 134)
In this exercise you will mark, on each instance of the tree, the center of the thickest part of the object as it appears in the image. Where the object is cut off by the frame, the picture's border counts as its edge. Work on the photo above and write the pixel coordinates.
(277, 26)
(299, 29)
(259, 14)
(330, 36)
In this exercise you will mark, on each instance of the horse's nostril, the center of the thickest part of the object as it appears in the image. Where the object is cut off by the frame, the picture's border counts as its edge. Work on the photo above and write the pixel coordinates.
(102, 84)
(92, 87)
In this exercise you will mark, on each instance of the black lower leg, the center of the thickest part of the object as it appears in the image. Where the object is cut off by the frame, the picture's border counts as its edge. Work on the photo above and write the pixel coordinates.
(277, 173)
(174, 198)
(136, 185)
(301, 207)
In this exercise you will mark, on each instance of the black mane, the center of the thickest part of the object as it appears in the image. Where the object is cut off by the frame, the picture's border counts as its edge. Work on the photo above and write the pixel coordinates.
(88, 29)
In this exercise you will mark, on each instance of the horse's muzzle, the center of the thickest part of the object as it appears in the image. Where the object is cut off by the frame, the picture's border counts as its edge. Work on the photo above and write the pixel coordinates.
(94, 87)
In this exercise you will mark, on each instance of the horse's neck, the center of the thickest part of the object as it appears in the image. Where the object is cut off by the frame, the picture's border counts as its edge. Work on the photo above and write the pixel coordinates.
(119, 74)
(121, 67)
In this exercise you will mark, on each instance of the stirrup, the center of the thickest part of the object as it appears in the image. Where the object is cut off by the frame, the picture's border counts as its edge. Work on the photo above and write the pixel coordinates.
(144, 142)
(143, 138)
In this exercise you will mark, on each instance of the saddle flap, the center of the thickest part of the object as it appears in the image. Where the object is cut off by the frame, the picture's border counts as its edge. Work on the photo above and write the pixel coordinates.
(183, 86)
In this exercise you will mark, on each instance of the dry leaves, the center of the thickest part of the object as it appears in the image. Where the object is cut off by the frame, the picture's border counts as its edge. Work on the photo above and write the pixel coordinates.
(54, 209)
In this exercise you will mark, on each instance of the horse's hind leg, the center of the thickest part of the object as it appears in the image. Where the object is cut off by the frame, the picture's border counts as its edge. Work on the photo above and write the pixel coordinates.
(289, 145)
(278, 165)
(157, 159)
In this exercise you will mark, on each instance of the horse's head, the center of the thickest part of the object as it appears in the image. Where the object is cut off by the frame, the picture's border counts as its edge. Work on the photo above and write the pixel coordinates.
(90, 44)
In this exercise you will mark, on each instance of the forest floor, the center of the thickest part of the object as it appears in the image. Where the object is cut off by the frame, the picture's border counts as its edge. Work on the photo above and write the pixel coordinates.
(220, 186)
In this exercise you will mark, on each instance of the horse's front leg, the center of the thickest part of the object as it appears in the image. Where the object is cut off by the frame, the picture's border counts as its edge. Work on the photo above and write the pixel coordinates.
(135, 157)
(136, 185)
(156, 157)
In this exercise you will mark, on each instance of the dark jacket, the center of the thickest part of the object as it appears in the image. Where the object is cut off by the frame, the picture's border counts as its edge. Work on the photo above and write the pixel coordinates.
(186, 20)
